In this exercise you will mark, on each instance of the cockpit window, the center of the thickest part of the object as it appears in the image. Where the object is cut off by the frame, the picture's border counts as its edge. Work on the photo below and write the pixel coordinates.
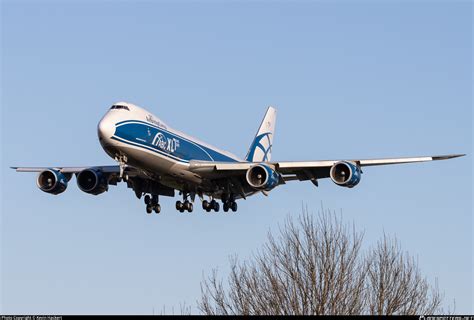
(120, 107)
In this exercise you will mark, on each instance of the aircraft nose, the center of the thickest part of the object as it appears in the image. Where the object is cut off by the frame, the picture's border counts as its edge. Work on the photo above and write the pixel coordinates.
(105, 129)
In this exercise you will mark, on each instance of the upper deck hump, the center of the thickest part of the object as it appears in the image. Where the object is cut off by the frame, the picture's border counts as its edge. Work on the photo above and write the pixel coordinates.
(141, 114)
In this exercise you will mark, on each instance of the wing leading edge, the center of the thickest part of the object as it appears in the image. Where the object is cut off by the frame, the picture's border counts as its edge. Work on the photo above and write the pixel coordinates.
(314, 169)
(105, 169)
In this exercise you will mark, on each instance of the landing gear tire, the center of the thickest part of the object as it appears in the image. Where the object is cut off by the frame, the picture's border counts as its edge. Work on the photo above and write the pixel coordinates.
(215, 205)
(205, 205)
(234, 206)
(157, 208)
(152, 204)
(209, 206)
(147, 199)
(184, 206)
(188, 206)
(149, 208)
(226, 207)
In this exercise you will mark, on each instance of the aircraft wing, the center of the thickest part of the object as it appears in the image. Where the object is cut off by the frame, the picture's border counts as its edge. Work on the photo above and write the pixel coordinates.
(105, 169)
(300, 170)
(138, 180)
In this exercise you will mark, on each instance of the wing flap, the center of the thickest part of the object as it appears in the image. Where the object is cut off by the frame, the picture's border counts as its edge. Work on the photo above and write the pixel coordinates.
(208, 167)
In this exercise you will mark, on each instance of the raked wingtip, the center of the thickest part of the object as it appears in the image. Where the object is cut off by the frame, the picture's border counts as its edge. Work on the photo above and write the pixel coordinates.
(449, 156)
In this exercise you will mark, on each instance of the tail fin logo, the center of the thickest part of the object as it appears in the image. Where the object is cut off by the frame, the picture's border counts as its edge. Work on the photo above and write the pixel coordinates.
(262, 144)
(261, 148)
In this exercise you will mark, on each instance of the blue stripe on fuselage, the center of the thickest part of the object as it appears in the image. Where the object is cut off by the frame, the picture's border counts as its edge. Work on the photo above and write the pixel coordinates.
(164, 142)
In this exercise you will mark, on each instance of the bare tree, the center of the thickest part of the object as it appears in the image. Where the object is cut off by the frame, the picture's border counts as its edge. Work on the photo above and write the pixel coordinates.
(184, 310)
(316, 267)
(395, 284)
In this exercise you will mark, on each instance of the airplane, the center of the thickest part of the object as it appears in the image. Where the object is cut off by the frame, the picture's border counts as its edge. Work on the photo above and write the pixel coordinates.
(155, 160)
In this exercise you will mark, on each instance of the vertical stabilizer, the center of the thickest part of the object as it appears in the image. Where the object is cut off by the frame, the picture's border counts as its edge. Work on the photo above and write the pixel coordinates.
(261, 147)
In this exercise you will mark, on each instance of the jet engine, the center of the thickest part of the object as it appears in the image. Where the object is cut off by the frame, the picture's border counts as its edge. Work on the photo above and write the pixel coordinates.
(262, 177)
(52, 181)
(92, 181)
(345, 174)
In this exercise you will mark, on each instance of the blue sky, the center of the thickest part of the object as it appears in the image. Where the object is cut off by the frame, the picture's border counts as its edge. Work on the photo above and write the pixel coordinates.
(349, 79)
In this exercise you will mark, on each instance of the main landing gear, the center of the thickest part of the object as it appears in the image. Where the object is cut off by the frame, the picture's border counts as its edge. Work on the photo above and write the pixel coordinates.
(152, 204)
(185, 205)
(211, 205)
(229, 203)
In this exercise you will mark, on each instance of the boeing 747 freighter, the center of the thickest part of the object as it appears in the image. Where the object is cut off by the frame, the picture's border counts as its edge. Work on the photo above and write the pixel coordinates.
(156, 160)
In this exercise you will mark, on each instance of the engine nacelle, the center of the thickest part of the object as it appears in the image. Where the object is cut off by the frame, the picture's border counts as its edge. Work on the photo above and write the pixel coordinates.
(262, 177)
(92, 181)
(345, 174)
(52, 181)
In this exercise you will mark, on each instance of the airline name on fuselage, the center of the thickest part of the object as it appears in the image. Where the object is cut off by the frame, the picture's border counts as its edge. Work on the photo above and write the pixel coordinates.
(150, 119)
